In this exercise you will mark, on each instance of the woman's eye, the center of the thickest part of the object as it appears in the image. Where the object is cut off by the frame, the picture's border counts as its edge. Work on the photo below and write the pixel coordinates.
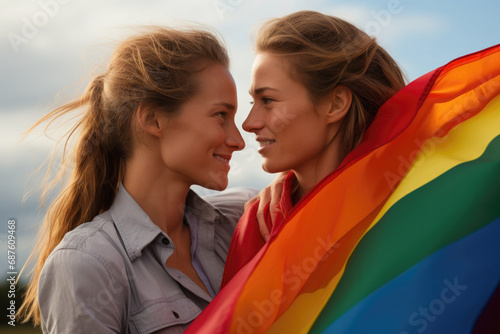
(266, 100)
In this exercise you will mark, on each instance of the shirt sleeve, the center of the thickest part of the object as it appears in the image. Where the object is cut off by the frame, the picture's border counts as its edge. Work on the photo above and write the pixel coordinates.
(77, 294)
(231, 202)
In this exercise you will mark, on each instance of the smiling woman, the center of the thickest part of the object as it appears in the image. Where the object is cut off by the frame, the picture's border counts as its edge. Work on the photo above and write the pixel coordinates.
(317, 83)
(203, 133)
(127, 247)
(290, 135)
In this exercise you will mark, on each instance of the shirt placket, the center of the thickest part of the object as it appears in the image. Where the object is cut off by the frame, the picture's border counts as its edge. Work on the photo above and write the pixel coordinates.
(165, 249)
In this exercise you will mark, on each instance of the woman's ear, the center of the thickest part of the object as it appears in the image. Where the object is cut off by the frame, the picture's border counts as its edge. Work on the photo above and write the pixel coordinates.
(340, 101)
(148, 121)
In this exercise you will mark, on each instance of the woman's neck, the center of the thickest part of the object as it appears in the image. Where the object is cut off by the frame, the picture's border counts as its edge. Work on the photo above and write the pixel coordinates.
(161, 195)
(313, 171)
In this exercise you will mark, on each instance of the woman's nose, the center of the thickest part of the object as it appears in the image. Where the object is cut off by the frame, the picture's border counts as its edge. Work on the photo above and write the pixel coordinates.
(254, 121)
(234, 139)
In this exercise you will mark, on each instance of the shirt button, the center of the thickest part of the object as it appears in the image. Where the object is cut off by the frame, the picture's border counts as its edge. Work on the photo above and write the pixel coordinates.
(175, 314)
(165, 241)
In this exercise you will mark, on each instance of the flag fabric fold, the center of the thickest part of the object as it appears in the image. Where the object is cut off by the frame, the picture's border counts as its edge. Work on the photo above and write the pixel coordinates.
(403, 237)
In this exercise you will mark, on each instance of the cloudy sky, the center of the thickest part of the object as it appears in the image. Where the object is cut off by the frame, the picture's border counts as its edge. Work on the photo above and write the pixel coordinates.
(48, 47)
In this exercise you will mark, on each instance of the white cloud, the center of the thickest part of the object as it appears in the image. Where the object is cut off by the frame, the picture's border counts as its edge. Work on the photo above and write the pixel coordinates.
(14, 124)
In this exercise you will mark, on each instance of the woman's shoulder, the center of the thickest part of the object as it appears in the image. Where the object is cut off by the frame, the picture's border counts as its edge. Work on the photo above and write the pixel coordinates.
(231, 202)
(97, 239)
(232, 195)
(84, 267)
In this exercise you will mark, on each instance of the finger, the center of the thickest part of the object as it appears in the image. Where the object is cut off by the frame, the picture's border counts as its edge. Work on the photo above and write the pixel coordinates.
(276, 192)
(265, 197)
(264, 230)
(251, 201)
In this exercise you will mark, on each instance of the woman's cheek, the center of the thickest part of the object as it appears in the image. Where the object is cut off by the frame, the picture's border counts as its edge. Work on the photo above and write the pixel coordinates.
(282, 117)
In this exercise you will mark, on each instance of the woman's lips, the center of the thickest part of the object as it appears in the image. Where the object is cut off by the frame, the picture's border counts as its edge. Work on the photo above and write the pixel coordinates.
(265, 143)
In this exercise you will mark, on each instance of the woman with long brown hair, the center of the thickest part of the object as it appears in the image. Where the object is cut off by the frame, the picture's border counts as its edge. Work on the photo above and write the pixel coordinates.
(317, 83)
(127, 247)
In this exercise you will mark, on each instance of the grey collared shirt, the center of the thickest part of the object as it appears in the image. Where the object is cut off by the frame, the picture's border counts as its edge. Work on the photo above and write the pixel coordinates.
(109, 275)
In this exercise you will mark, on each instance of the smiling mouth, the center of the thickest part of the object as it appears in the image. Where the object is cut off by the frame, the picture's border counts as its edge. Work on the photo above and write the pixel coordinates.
(263, 143)
(222, 158)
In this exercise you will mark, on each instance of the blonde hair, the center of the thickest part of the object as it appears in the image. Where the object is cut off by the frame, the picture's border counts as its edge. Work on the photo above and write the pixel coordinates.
(158, 69)
(325, 51)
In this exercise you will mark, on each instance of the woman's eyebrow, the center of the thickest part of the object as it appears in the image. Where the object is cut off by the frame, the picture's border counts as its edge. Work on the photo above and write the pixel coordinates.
(260, 90)
(225, 104)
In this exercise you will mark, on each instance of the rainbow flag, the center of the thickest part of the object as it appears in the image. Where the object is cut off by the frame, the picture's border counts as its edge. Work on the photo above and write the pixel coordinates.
(404, 237)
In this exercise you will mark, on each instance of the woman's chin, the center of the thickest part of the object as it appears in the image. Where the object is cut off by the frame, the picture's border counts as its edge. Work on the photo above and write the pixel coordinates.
(220, 187)
(271, 168)
(218, 181)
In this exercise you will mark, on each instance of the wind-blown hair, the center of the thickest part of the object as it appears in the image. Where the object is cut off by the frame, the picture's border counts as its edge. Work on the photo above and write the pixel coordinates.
(157, 69)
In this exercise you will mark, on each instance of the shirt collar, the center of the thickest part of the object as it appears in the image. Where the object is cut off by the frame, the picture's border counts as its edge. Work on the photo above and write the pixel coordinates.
(136, 228)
